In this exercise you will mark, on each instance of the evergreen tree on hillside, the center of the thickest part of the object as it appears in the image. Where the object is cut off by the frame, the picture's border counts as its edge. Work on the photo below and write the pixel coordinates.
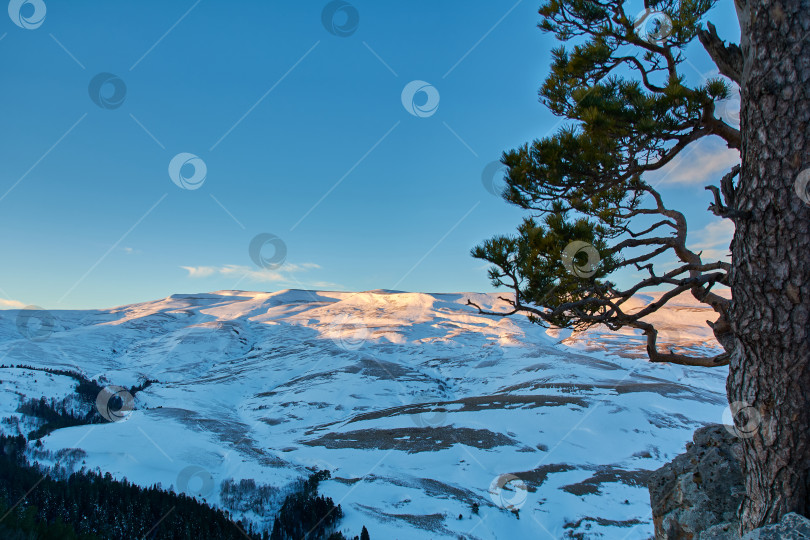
(593, 210)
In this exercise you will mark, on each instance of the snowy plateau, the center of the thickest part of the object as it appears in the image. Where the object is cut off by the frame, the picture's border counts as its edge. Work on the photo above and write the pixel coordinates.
(434, 420)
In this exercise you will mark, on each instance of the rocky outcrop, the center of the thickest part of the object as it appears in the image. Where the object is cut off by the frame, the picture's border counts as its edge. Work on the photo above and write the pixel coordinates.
(696, 496)
(722, 531)
(700, 489)
(791, 527)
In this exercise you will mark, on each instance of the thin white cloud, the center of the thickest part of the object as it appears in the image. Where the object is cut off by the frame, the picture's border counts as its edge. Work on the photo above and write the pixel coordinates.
(714, 239)
(704, 163)
(11, 304)
(286, 274)
(200, 271)
(327, 285)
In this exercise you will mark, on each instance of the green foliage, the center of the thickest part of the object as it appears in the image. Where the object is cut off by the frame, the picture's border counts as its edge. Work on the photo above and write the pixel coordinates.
(23, 524)
(536, 255)
(39, 503)
(57, 415)
(305, 514)
(54, 415)
(88, 505)
(627, 112)
(247, 496)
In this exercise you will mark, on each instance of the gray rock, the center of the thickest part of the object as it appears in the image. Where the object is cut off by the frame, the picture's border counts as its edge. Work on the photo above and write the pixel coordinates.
(696, 496)
(722, 531)
(700, 488)
(792, 526)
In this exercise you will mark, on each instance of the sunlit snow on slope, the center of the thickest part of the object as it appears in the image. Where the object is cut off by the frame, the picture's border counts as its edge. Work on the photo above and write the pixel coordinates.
(415, 402)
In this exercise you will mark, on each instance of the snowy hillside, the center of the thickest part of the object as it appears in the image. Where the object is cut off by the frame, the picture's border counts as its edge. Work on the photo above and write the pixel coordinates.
(423, 409)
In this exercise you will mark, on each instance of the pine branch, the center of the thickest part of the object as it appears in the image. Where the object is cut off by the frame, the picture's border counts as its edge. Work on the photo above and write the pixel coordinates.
(728, 59)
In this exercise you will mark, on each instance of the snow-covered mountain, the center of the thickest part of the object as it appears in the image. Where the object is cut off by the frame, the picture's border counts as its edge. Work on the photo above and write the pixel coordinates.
(423, 409)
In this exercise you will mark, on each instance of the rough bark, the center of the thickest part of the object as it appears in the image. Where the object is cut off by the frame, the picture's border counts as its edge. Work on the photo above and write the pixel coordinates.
(770, 276)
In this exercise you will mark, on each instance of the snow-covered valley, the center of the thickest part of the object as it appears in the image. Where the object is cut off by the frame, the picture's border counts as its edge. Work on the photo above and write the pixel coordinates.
(435, 421)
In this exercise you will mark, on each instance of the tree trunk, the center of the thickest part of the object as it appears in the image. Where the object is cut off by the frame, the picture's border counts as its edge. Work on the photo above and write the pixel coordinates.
(770, 277)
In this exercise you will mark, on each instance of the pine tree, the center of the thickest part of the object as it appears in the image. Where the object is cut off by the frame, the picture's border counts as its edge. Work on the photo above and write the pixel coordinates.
(593, 210)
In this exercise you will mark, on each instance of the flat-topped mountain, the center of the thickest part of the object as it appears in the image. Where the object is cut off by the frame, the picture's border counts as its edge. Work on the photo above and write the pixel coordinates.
(434, 420)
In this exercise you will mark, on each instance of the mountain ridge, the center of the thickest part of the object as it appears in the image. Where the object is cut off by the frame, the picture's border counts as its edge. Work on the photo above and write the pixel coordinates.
(419, 405)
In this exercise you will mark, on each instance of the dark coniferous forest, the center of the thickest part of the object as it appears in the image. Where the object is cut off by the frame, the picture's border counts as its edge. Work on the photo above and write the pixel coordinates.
(52, 504)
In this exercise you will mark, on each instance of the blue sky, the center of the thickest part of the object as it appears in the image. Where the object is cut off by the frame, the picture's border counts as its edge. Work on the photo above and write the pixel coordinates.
(303, 135)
